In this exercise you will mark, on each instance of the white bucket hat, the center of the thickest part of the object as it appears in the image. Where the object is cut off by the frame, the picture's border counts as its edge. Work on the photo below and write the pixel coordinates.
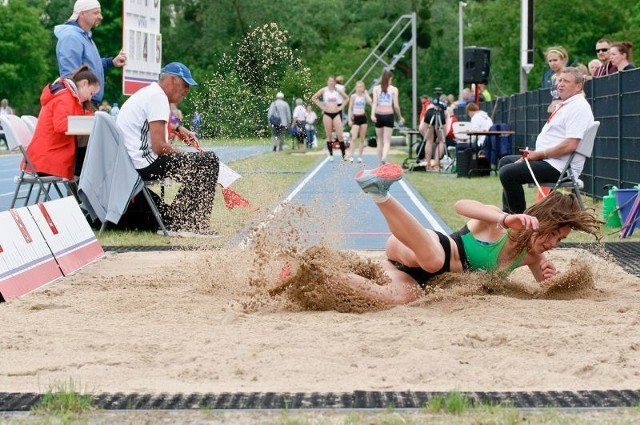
(83, 6)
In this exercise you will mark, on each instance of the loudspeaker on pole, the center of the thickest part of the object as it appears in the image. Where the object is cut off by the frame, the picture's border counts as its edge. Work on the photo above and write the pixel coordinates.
(477, 64)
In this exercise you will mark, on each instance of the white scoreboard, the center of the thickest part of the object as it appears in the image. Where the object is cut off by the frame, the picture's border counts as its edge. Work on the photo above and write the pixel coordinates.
(142, 43)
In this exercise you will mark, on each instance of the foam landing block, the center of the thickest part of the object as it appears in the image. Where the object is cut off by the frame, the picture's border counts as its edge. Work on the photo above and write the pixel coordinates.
(26, 262)
(67, 232)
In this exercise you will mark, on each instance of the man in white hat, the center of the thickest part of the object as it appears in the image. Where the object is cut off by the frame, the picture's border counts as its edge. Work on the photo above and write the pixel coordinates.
(75, 46)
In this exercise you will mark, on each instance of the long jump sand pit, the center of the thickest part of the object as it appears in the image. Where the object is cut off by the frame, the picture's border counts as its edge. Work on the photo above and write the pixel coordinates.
(201, 321)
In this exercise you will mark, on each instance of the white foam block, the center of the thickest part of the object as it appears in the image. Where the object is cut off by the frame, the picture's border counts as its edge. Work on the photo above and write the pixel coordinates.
(26, 262)
(67, 232)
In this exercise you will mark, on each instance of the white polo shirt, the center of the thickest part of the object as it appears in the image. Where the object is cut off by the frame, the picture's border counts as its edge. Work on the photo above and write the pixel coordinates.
(147, 105)
(569, 121)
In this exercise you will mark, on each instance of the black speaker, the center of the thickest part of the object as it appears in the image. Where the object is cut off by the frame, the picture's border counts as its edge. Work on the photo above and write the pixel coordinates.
(477, 63)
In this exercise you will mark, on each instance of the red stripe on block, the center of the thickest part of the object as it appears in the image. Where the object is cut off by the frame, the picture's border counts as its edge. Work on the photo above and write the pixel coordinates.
(30, 279)
(21, 226)
(132, 86)
(74, 260)
(47, 218)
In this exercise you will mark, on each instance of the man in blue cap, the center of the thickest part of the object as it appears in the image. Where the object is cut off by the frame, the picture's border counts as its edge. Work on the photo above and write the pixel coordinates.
(143, 120)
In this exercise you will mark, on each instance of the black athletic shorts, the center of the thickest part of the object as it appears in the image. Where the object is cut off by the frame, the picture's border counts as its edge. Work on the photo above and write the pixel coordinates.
(359, 119)
(384, 120)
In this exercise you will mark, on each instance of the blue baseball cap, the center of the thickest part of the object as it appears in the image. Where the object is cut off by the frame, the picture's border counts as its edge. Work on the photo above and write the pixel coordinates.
(177, 68)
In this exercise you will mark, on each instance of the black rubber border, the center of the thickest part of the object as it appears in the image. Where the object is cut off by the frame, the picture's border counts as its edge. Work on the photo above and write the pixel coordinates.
(19, 402)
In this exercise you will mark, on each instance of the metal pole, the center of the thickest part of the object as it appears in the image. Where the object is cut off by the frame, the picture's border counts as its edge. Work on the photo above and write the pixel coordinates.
(414, 72)
(526, 43)
(461, 6)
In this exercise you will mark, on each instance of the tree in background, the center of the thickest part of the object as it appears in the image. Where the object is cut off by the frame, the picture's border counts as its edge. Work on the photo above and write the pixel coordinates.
(234, 100)
(24, 69)
(496, 24)
(328, 37)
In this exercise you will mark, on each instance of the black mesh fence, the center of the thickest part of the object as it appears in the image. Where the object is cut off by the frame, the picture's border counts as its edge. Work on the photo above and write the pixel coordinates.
(615, 101)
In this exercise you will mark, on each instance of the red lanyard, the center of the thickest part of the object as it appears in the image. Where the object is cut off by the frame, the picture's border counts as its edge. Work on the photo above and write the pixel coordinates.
(554, 112)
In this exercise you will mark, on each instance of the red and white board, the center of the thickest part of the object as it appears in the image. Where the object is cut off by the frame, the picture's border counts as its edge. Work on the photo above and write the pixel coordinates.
(26, 261)
(41, 243)
(67, 232)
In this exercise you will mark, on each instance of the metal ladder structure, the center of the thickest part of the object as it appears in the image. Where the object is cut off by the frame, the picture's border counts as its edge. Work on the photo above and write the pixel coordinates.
(387, 53)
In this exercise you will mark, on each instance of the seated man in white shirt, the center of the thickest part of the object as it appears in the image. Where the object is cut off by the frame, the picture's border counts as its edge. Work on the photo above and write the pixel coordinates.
(480, 121)
(143, 121)
(558, 138)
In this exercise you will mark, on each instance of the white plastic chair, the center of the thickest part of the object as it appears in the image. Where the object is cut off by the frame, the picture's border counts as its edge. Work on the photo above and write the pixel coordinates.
(31, 122)
(568, 179)
(19, 137)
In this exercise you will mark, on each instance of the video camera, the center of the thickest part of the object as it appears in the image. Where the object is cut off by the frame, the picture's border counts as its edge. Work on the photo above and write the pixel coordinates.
(438, 101)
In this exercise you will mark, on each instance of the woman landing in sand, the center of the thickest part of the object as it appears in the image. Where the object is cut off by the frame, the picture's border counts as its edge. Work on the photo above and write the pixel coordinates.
(491, 240)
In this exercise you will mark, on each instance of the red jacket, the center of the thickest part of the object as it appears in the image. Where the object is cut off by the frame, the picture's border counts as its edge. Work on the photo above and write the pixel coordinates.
(52, 151)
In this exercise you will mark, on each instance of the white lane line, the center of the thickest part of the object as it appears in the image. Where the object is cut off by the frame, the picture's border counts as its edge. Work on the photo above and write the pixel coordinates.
(246, 241)
(427, 215)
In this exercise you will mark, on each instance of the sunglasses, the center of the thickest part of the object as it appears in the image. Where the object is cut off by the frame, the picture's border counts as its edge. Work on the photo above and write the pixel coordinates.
(602, 50)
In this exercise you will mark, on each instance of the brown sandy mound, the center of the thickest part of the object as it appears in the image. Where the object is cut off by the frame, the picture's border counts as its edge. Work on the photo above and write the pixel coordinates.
(318, 283)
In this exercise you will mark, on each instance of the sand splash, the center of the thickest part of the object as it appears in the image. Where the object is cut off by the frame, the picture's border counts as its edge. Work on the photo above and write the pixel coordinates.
(291, 272)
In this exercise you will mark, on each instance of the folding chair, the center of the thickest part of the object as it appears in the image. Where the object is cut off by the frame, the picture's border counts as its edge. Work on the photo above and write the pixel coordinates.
(569, 179)
(31, 122)
(18, 139)
(109, 181)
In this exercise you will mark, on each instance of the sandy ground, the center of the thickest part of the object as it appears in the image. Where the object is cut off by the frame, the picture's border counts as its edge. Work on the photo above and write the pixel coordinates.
(197, 321)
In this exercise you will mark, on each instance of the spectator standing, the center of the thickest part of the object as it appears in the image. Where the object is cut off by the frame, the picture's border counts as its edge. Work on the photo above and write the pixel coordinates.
(310, 126)
(557, 58)
(197, 122)
(76, 47)
(5, 109)
(279, 116)
(480, 121)
(620, 55)
(143, 122)
(51, 150)
(299, 122)
(384, 103)
(358, 119)
(105, 107)
(485, 95)
(424, 102)
(557, 139)
(175, 119)
(466, 98)
(593, 66)
(602, 51)
(332, 114)
(433, 127)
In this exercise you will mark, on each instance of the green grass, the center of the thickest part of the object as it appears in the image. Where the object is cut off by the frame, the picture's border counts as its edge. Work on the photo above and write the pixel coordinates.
(63, 400)
(452, 403)
(266, 180)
